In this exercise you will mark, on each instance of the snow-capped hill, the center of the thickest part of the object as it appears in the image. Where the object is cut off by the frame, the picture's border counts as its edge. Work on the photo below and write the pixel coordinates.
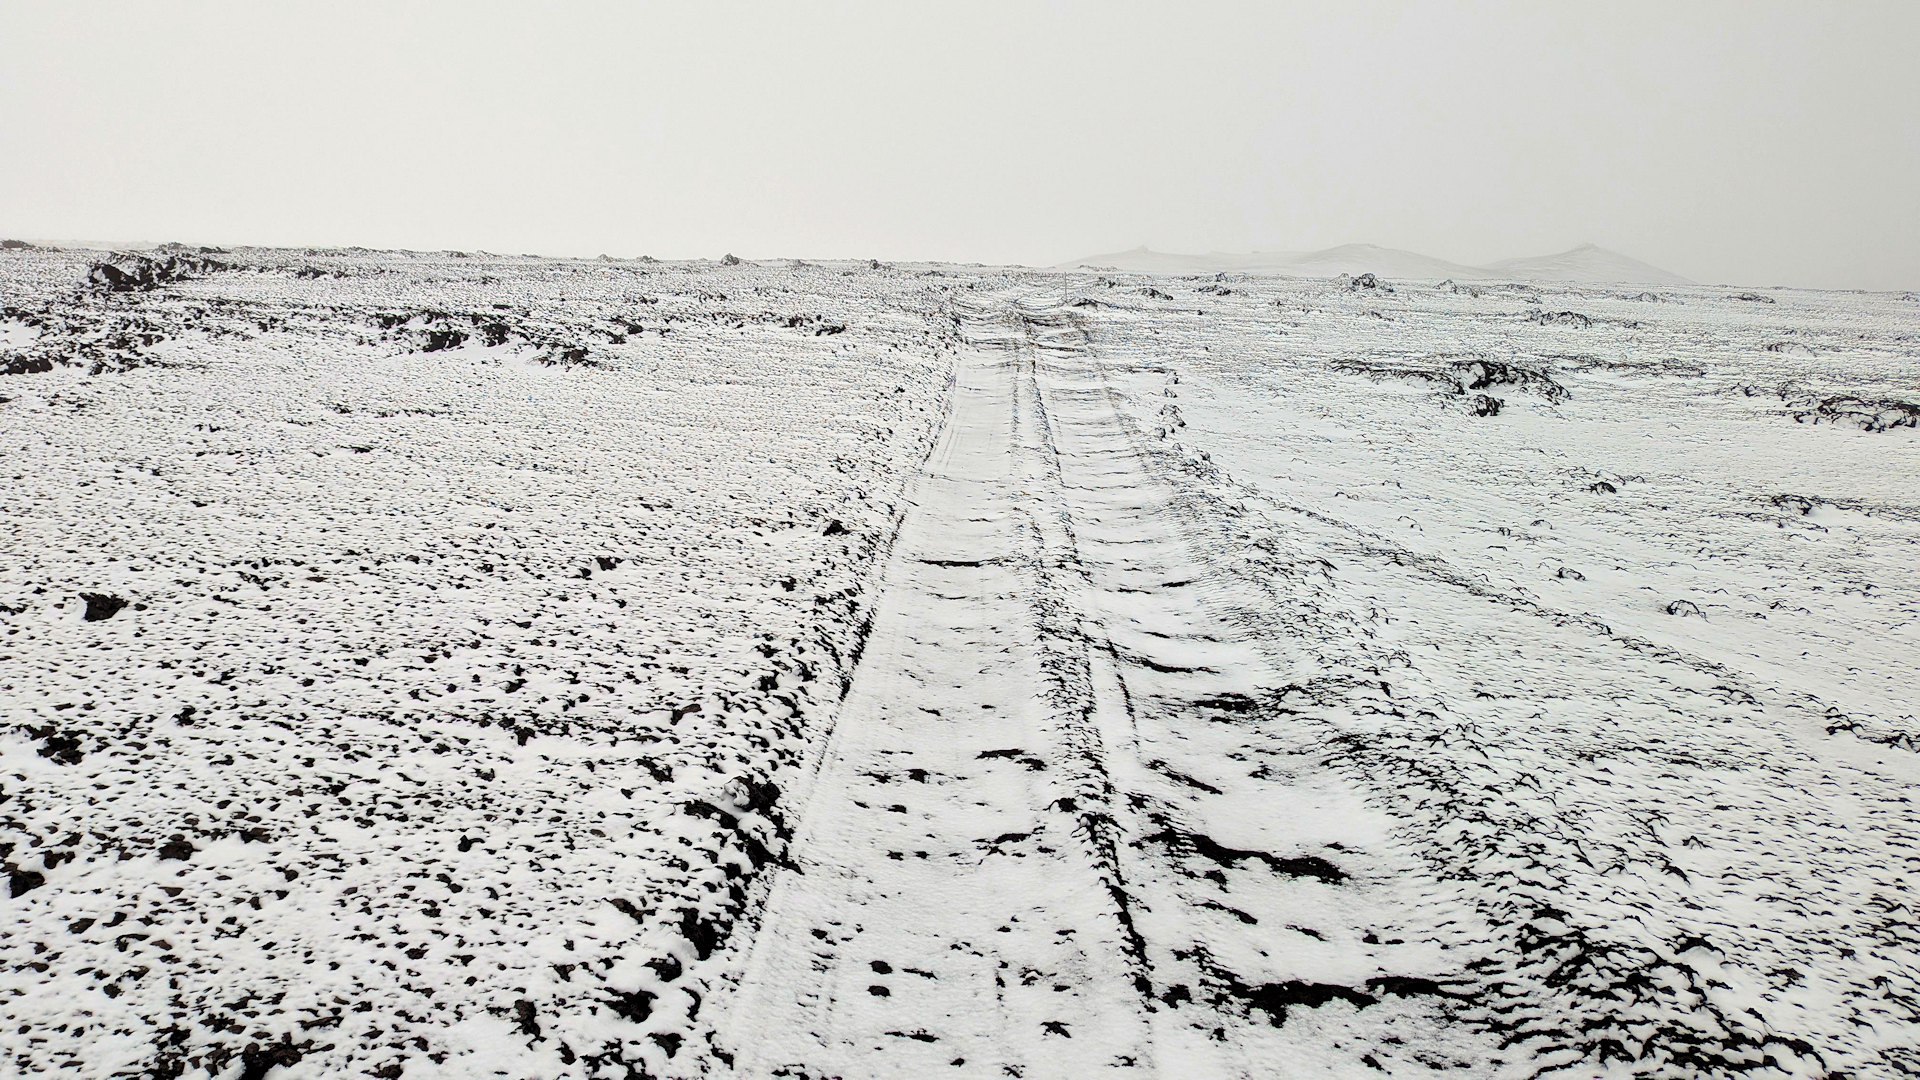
(1588, 262)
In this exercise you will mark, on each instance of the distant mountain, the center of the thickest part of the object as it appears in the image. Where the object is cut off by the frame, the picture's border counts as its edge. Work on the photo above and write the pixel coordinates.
(1586, 263)
(1386, 262)
(1143, 261)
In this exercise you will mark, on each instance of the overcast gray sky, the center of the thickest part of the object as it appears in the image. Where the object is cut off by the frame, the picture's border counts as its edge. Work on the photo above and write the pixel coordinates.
(1742, 142)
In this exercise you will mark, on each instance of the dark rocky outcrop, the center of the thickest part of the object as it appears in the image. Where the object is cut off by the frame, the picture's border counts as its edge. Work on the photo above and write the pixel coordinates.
(131, 272)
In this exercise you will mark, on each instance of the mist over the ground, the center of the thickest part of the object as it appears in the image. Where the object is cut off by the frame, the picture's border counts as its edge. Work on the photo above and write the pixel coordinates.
(1760, 144)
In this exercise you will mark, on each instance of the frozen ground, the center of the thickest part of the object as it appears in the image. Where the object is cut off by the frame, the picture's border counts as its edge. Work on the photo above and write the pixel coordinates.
(540, 668)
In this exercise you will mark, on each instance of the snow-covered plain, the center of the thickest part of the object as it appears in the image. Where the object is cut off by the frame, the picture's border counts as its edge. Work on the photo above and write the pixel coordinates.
(542, 668)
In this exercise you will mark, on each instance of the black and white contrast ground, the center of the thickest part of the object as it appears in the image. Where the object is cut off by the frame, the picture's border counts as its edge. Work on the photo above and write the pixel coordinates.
(468, 666)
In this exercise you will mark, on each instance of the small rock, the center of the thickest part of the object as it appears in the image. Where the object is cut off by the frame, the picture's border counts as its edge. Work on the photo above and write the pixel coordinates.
(101, 606)
(524, 1017)
(23, 882)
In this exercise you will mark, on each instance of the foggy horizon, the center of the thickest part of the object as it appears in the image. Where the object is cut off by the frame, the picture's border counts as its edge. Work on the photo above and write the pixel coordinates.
(1739, 144)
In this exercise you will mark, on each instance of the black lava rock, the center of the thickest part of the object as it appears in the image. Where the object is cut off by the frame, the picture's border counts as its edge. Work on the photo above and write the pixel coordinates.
(22, 882)
(101, 606)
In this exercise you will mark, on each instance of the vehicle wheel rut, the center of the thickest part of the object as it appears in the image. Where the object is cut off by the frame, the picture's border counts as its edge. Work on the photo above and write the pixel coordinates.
(1058, 831)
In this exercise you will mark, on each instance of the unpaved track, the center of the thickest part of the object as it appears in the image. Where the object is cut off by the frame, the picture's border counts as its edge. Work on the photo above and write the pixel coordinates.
(937, 873)
(1047, 838)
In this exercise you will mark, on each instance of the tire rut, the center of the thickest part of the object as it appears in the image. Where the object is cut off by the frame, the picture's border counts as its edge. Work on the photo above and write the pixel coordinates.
(1277, 917)
(944, 911)
(1067, 822)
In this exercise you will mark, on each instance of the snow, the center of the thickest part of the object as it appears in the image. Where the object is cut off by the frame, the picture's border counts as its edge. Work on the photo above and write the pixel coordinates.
(1620, 796)
(553, 668)
(433, 658)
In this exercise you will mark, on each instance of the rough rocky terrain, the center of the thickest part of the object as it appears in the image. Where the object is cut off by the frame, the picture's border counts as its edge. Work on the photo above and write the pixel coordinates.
(462, 665)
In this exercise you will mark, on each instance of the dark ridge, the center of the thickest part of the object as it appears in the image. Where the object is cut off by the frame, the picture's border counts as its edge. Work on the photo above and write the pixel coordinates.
(1199, 844)
(1275, 999)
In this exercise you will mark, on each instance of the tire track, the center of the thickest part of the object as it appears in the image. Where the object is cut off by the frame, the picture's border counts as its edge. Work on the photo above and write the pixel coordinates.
(1279, 919)
(1063, 828)
(943, 912)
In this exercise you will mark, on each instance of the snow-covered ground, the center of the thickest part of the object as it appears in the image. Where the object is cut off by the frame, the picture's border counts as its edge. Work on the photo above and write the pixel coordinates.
(477, 666)
(442, 669)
